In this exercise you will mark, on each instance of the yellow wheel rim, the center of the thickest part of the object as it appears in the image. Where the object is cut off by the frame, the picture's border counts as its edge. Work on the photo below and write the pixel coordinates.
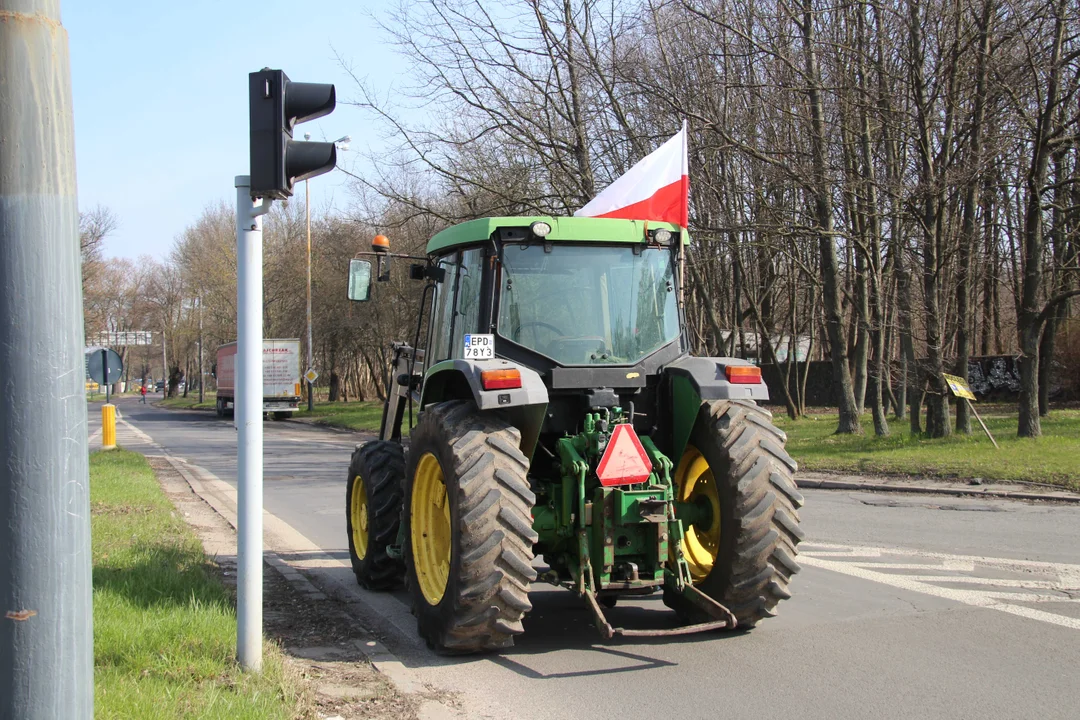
(694, 483)
(358, 515)
(429, 528)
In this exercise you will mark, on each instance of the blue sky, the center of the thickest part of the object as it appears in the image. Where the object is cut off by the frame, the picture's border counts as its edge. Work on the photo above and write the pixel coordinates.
(160, 100)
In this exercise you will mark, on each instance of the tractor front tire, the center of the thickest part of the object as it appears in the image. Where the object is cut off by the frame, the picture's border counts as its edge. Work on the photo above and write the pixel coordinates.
(752, 477)
(469, 545)
(373, 513)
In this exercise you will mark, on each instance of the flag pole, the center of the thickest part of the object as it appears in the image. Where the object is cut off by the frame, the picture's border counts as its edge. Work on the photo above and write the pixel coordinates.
(686, 215)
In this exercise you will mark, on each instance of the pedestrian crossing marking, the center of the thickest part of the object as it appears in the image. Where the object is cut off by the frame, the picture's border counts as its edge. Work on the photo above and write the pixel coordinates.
(1039, 583)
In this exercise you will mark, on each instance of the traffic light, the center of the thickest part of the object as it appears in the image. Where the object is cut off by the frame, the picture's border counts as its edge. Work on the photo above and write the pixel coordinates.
(276, 106)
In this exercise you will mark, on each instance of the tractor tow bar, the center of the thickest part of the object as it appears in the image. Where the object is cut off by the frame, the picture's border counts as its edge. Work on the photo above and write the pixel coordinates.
(702, 601)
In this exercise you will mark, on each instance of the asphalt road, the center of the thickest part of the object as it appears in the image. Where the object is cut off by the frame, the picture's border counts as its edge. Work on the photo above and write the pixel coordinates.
(907, 607)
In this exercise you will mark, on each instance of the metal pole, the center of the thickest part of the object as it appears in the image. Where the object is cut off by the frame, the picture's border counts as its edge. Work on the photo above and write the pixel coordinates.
(46, 629)
(249, 415)
(201, 396)
(307, 202)
(164, 367)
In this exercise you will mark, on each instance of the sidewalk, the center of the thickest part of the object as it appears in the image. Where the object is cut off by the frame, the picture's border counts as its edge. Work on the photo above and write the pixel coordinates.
(931, 486)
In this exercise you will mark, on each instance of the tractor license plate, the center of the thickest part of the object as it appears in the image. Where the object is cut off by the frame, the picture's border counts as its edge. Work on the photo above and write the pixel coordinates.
(479, 347)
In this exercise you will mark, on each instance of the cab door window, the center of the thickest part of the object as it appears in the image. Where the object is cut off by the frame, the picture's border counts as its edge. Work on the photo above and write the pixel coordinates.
(443, 312)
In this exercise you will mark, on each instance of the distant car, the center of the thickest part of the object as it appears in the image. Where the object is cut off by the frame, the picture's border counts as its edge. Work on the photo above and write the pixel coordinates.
(160, 386)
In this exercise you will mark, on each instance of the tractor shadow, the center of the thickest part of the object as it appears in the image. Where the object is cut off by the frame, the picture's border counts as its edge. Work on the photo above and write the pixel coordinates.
(561, 622)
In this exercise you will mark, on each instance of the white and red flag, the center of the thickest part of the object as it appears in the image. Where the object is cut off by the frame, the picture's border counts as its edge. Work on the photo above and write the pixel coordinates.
(656, 188)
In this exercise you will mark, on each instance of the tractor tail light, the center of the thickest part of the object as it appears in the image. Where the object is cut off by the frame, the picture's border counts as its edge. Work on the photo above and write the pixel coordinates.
(743, 374)
(500, 379)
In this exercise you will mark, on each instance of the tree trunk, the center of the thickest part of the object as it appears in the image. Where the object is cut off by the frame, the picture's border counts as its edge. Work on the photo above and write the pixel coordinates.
(872, 294)
(1046, 360)
(862, 343)
(335, 386)
(822, 191)
(937, 419)
(1030, 318)
(968, 237)
(893, 173)
(174, 380)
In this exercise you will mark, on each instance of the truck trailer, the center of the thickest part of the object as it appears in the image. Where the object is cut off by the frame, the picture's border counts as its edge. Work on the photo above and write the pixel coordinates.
(281, 378)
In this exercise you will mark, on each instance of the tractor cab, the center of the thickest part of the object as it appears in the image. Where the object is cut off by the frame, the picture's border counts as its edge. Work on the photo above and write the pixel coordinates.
(590, 305)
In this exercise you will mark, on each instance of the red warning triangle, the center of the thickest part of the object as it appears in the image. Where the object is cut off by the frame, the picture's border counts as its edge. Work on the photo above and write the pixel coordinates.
(624, 461)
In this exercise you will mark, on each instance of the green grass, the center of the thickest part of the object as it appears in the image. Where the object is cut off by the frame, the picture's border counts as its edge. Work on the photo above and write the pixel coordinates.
(351, 416)
(1053, 458)
(360, 416)
(191, 402)
(164, 626)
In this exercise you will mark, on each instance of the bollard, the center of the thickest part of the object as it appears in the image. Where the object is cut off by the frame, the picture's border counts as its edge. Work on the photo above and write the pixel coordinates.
(108, 427)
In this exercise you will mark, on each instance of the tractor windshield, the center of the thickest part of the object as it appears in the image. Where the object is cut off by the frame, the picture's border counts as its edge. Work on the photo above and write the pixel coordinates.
(588, 304)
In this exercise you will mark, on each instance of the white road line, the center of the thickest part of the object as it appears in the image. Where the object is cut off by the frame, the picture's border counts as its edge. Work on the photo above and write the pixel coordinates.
(947, 565)
(996, 582)
(989, 599)
(857, 551)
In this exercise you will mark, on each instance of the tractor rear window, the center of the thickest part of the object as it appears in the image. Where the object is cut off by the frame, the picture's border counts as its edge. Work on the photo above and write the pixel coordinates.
(588, 304)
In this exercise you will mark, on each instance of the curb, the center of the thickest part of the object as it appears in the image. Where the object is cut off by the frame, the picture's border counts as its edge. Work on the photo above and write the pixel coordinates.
(931, 490)
(313, 422)
(159, 406)
(382, 659)
(303, 421)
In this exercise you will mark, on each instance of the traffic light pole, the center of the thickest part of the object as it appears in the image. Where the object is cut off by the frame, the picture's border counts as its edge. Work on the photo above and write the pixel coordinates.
(310, 385)
(46, 628)
(249, 423)
(275, 105)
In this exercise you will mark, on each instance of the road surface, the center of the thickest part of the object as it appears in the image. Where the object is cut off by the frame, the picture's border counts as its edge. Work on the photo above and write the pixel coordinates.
(907, 606)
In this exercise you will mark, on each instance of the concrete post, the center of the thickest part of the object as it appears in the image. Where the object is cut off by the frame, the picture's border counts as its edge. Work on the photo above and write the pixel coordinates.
(46, 633)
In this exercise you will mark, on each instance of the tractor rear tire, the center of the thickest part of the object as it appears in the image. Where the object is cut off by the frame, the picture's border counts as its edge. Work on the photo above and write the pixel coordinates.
(759, 518)
(371, 520)
(469, 548)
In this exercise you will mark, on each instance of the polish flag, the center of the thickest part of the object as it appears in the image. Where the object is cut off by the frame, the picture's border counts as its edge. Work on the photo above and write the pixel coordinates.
(656, 188)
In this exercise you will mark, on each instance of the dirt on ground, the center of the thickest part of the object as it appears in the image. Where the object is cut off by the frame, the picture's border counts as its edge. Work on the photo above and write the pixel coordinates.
(320, 641)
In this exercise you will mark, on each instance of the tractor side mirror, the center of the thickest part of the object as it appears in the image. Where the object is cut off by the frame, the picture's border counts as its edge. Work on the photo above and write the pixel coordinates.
(359, 280)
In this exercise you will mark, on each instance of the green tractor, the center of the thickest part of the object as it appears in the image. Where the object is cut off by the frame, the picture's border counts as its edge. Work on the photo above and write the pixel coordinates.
(559, 413)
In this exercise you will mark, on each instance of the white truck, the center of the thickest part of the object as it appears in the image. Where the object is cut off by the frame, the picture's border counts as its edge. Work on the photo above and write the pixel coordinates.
(281, 378)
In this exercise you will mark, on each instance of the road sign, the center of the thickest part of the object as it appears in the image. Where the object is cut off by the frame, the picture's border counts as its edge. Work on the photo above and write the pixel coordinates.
(959, 387)
(117, 338)
(311, 376)
(95, 364)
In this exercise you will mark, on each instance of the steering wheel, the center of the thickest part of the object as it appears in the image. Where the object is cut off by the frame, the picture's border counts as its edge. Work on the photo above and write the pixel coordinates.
(536, 323)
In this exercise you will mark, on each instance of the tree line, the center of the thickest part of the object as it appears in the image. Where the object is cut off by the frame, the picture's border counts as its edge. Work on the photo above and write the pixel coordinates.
(890, 185)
